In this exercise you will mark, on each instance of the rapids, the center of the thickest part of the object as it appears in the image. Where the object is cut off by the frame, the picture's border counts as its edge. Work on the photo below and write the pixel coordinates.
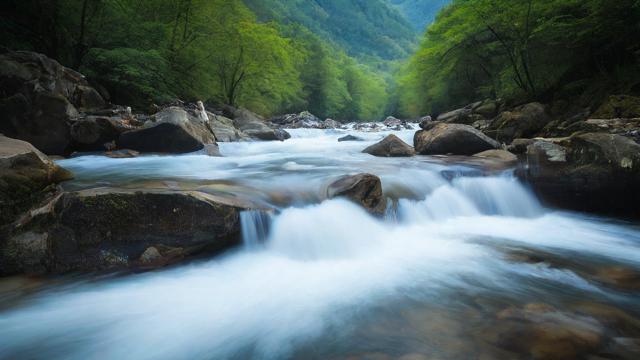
(322, 278)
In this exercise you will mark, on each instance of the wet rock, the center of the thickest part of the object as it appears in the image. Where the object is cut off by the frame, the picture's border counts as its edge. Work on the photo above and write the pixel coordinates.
(255, 126)
(619, 277)
(26, 176)
(212, 150)
(539, 331)
(331, 124)
(391, 146)
(150, 256)
(122, 154)
(224, 130)
(522, 122)
(454, 139)
(590, 172)
(391, 121)
(612, 317)
(304, 120)
(174, 131)
(113, 229)
(619, 106)
(519, 146)
(501, 155)
(363, 189)
(350, 138)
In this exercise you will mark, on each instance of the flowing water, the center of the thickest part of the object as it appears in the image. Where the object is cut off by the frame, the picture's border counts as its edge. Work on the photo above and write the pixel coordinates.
(466, 264)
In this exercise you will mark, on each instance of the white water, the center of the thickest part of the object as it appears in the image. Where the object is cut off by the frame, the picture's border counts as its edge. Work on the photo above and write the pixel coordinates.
(322, 268)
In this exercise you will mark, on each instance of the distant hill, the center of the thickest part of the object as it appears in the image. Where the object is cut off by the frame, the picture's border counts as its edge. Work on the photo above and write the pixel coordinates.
(420, 12)
(364, 28)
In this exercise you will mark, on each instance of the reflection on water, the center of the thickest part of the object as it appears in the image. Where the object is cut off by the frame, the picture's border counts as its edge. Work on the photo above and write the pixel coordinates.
(468, 267)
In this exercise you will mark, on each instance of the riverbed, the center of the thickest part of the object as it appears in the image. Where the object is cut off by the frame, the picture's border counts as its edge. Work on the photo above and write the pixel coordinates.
(465, 264)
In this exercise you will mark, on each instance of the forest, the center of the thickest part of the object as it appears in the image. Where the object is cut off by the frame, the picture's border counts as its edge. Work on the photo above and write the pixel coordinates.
(348, 60)
(575, 50)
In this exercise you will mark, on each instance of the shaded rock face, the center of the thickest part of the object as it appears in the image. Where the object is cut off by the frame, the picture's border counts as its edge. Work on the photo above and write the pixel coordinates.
(224, 130)
(523, 122)
(304, 119)
(255, 126)
(454, 139)
(363, 189)
(97, 133)
(40, 98)
(591, 172)
(391, 146)
(619, 106)
(174, 131)
(478, 111)
(26, 177)
(110, 229)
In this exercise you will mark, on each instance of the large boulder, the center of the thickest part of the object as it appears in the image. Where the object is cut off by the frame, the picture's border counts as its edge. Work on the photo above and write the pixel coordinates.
(107, 229)
(455, 139)
(26, 177)
(98, 133)
(591, 172)
(391, 121)
(173, 131)
(224, 130)
(391, 146)
(522, 122)
(40, 98)
(331, 124)
(255, 126)
(363, 189)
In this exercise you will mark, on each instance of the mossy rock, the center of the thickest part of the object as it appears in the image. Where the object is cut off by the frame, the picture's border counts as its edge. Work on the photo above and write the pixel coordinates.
(619, 106)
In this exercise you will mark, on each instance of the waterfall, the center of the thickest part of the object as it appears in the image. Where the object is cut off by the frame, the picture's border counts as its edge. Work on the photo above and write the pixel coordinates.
(255, 226)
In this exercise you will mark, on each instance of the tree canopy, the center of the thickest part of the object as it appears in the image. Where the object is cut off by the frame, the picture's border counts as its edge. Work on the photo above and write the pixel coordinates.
(523, 50)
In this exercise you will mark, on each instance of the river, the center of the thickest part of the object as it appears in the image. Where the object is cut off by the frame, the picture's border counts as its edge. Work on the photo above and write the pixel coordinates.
(466, 264)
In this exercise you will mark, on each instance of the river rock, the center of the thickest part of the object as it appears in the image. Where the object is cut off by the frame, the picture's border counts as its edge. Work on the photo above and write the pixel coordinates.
(331, 124)
(363, 189)
(97, 133)
(590, 172)
(454, 139)
(391, 146)
(391, 121)
(539, 331)
(350, 138)
(174, 131)
(39, 100)
(619, 106)
(26, 176)
(224, 130)
(501, 155)
(255, 126)
(304, 119)
(106, 229)
(522, 122)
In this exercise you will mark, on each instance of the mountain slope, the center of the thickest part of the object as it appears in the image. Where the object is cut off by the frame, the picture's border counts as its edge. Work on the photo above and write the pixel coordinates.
(420, 12)
(364, 28)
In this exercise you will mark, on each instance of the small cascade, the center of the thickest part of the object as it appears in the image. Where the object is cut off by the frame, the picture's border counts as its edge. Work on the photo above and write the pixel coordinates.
(255, 226)
(473, 196)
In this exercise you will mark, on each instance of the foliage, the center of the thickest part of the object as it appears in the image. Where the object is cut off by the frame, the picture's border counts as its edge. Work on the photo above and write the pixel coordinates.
(420, 12)
(523, 50)
(367, 29)
(214, 50)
